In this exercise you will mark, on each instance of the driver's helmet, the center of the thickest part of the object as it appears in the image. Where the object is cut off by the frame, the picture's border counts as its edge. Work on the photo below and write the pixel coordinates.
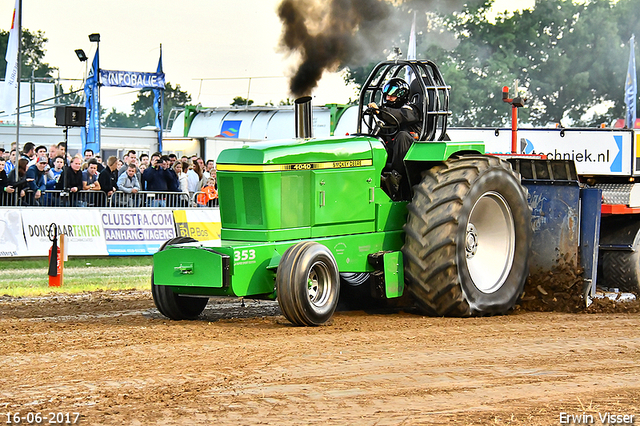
(395, 87)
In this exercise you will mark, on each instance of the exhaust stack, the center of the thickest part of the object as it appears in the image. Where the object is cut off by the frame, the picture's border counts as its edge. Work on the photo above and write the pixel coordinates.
(303, 117)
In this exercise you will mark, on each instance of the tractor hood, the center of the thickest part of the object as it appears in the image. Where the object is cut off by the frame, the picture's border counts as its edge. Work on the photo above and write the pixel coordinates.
(299, 188)
(299, 154)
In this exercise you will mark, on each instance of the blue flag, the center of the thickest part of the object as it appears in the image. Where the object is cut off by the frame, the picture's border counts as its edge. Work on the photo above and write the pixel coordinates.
(631, 87)
(91, 135)
(158, 104)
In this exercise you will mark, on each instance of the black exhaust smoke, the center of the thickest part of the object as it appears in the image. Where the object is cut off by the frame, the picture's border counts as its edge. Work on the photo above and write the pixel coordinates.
(330, 34)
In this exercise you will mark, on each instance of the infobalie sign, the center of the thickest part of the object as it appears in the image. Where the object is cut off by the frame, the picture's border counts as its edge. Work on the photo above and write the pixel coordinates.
(138, 80)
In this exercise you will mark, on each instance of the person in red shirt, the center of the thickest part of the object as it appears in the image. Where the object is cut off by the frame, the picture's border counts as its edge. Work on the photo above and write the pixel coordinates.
(209, 194)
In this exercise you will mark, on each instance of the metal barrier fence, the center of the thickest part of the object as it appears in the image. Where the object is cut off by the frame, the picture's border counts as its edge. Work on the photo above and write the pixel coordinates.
(149, 199)
(56, 198)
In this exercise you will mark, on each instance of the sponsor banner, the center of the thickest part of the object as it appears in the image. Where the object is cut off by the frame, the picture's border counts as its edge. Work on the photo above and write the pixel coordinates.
(100, 232)
(136, 232)
(200, 224)
(84, 234)
(598, 152)
(12, 242)
(138, 80)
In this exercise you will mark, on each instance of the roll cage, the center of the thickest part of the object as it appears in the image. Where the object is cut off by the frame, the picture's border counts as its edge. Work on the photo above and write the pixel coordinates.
(427, 90)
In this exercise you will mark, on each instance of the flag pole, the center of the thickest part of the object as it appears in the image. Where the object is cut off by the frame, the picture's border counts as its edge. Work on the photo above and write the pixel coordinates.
(631, 87)
(411, 50)
(99, 132)
(19, 13)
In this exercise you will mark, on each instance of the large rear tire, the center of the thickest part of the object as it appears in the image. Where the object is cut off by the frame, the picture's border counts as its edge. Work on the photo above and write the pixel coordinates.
(170, 304)
(468, 235)
(308, 284)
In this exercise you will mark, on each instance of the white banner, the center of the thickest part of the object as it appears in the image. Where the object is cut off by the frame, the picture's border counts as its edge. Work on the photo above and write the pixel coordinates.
(12, 241)
(81, 226)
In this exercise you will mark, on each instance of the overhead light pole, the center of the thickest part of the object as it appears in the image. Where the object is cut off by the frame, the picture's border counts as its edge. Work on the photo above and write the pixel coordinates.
(83, 58)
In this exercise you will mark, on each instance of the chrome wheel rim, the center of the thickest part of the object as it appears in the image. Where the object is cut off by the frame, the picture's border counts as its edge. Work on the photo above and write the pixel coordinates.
(490, 242)
(318, 284)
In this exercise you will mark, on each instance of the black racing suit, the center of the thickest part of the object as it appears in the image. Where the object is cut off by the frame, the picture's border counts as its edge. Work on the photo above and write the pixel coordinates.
(408, 117)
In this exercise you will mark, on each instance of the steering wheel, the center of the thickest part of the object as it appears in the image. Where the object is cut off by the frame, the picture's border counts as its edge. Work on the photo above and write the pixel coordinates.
(385, 123)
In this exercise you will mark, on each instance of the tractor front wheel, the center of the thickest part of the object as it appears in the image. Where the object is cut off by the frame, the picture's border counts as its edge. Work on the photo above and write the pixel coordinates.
(468, 235)
(308, 284)
(170, 304)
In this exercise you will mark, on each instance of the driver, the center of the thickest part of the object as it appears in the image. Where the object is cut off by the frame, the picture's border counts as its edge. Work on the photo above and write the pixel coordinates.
(395, 101)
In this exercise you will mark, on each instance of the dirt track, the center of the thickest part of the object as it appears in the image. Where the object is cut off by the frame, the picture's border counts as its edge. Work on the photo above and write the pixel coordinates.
(113, 359)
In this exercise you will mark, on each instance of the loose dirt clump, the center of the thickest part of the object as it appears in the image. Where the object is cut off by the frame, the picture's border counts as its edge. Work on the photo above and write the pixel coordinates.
(557, 290)
(606, 305)
(561, 290)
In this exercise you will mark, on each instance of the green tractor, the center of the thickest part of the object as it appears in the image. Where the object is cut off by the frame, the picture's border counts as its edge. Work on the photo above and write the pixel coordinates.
(301, 217)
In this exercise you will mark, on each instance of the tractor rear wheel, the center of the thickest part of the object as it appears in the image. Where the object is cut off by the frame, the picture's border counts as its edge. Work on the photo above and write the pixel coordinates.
(170, 304)
(308, 284)
(468, 235)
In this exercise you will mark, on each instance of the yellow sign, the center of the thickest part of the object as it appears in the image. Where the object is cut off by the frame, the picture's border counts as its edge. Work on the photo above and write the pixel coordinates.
(200, 225)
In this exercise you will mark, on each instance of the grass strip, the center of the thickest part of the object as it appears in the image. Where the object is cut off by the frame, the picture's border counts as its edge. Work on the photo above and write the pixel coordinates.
(28, 277)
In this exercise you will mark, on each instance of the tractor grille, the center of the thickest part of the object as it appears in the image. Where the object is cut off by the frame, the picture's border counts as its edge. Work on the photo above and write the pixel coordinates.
(294, 202)
(228, 200)
(252, 200)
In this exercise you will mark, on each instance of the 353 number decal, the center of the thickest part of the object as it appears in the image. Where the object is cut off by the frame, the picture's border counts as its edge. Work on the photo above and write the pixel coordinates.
(239, 255)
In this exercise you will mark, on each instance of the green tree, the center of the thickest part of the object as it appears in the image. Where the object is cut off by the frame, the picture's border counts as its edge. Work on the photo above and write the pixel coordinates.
(568, 58)
(240, 101)
(143, 106)
(32, 54)
(118, 119)
(143, 113)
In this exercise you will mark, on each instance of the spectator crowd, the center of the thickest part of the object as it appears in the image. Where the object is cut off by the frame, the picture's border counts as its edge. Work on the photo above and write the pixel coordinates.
(51, 177)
